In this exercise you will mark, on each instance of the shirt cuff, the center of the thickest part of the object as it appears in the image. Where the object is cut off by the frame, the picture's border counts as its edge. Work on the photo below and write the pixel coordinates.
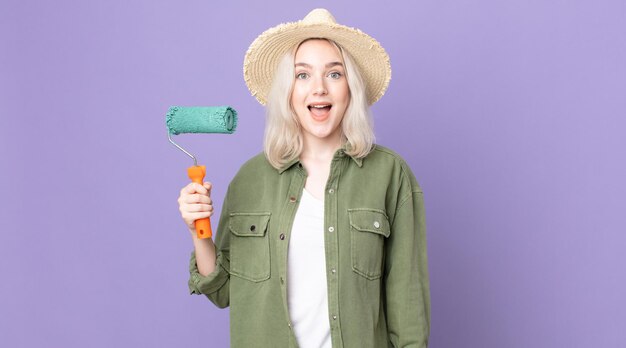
(199, 284)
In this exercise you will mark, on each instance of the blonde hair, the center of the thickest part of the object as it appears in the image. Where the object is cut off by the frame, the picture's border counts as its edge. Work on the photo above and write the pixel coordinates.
(283, 135)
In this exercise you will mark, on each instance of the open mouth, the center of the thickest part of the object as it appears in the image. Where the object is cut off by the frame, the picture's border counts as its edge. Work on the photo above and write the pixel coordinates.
(320, 111)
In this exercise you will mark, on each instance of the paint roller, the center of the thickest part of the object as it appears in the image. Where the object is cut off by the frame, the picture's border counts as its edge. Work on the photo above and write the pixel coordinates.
(200, 119)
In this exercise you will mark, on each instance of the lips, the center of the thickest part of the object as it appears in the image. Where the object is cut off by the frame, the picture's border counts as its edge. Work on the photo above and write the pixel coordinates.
(320, 111)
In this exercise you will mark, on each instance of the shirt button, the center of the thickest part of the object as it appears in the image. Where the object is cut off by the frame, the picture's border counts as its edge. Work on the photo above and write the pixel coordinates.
(282, 280)
(333, 270)
(334, 317)
(252, 228)
(331, 191)
(376, 224)
(331, 229)
(282, 236)
(292, 199)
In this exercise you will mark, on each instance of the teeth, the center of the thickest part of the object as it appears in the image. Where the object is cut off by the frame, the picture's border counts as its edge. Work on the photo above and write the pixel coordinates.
(319, 106)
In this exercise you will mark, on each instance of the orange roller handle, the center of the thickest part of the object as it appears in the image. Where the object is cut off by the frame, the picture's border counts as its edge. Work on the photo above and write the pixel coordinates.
(203, 226)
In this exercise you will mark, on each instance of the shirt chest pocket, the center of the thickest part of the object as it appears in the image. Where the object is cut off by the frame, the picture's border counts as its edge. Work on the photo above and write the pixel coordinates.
(249, 246)
(368, 230)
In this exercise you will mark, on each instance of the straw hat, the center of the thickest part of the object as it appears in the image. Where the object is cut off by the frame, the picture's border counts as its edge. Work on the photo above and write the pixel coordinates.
(265, 52)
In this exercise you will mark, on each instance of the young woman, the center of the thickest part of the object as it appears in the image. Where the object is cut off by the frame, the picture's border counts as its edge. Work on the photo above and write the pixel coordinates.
(321, 240)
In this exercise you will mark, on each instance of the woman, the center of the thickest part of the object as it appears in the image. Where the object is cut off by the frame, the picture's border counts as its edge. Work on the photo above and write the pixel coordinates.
(321, 240)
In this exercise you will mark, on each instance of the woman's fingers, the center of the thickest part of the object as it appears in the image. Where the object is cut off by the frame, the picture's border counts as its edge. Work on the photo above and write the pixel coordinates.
(193, 216)
(195, 198)
(190, 215)
(193, 187)
(196, 207)
(195, 202)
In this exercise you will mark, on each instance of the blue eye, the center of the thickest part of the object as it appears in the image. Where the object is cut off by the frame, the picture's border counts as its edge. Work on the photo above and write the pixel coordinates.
(335, 75)
(301, 76)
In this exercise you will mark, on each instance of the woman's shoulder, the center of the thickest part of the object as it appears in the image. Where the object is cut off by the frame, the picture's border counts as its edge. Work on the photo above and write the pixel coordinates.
(254, 168)
(386, 156)
(256, 162)
(382, 156)
(380, 150)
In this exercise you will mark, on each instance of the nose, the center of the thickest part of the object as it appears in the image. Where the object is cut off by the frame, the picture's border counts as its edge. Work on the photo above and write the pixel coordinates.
(319, 87)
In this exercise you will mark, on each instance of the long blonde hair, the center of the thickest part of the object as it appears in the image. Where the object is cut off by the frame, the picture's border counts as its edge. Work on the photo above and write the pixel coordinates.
(283, 135)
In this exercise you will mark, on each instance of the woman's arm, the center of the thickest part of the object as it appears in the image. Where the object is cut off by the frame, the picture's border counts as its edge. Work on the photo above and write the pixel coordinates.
(406, 275)
(205, 254)
(209, 264)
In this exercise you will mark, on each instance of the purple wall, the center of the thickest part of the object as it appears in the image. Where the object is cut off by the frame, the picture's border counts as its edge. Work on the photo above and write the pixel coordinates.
(511, 114)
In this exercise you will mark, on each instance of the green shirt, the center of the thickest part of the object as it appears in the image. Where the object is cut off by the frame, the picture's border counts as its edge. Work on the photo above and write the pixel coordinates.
(375, 245)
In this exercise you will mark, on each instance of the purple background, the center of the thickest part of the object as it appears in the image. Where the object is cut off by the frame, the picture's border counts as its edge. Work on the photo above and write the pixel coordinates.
(511, 114)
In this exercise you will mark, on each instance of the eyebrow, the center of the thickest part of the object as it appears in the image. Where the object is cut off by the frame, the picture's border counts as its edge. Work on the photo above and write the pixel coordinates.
(329, 65)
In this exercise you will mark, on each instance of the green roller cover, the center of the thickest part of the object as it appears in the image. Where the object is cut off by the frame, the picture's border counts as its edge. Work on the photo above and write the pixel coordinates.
(201, 119)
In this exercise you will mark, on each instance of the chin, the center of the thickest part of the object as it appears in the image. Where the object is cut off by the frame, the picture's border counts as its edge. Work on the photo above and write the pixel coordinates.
(322, 133)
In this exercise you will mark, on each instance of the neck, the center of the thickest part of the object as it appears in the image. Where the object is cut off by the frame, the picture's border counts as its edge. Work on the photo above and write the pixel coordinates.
(320, 149)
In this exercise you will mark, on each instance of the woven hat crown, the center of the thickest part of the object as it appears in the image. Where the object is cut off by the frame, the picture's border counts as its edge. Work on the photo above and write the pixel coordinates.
(319, 15)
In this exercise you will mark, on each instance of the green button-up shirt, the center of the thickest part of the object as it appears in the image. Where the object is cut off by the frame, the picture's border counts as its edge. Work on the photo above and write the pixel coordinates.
(375, 246)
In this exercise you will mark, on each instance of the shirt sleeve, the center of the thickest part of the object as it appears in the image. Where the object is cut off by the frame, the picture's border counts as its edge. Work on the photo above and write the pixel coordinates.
(216, 285)
(406, 275)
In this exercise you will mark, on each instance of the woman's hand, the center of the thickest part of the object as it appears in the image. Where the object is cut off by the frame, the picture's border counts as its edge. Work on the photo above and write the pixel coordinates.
(195, 203)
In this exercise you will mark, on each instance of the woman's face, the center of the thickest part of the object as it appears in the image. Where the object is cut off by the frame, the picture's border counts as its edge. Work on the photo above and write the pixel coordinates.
(320, 93)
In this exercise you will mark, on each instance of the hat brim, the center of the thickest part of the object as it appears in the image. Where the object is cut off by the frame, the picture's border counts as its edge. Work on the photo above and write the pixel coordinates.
(265, 52)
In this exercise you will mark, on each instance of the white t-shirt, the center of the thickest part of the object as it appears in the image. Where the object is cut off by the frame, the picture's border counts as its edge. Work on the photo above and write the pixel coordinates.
(306, 275)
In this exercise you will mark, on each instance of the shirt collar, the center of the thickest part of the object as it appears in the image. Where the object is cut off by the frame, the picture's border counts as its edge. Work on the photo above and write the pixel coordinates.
(340, 153)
